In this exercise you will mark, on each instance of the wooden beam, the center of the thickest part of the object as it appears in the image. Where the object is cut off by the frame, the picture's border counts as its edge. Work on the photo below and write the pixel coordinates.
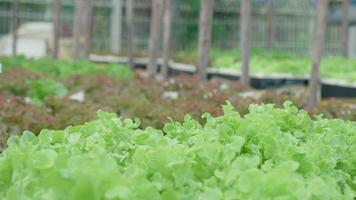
(56, 28)
(154, 40)
(270, 24)
(318, 47)
(15, 23)
(130, 31)
(167, 25)
(116, 26)
(82, 27)
(204, 40)
(245, 40)
(345, 27)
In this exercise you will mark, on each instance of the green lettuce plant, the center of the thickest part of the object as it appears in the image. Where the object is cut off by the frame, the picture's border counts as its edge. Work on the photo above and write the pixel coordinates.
(65, 68)
(40, 90)
(267, 154)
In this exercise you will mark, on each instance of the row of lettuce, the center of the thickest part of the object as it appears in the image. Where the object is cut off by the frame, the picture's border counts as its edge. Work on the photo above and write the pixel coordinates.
(64, 68)
(261, 62)
(271, 62)
(268, 153)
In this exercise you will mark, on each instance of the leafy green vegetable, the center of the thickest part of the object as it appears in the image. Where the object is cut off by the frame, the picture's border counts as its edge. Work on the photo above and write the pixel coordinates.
(41, 89)
(267, 154)
(269, 62)
(64, 68)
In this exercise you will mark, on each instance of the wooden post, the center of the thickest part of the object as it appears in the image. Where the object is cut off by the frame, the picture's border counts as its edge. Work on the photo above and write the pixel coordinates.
(270, 24)
(345, 28)
(205, 27)
(82, 27)
(154, 41)
(130, 31)
(245, 40)
(56, 28)
(167, 20)
(319, 42)
(92, 25)
(15, 19)
(116, 26)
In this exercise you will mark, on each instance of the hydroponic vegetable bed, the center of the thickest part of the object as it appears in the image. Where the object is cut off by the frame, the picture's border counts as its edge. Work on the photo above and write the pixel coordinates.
(269, 62)
(238, 151)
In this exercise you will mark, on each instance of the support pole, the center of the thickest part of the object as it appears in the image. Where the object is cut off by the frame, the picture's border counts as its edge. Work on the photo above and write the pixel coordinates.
(345, 27)
(205, 28)
(270, 18)
(245, 40)
(154, 41)
(167, 24)
(116, 26)
(56, 28)
(82, 27)
(319, 42)
(15, 19)
(130, 31)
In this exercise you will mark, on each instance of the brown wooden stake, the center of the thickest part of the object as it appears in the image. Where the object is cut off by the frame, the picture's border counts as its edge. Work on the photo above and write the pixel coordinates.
(345, 27)
(155, 31)
(116, 26)
(245, 40)
(204, 40)
(15, 19)
(167, 21)
(56, 28)
(270, 18)
(92, 25)
(318, 46)
(82, 27)
(130, 31)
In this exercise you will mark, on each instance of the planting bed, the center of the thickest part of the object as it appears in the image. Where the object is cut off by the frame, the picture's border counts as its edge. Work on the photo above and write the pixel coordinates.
(265, 62)
(259, 152)
(268, 69)
(270, 62)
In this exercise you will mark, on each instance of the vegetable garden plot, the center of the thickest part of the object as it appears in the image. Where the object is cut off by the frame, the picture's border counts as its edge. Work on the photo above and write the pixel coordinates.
(268, 154)
(269, 69)
(269, 62)
(262, 62)
(37, 102)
